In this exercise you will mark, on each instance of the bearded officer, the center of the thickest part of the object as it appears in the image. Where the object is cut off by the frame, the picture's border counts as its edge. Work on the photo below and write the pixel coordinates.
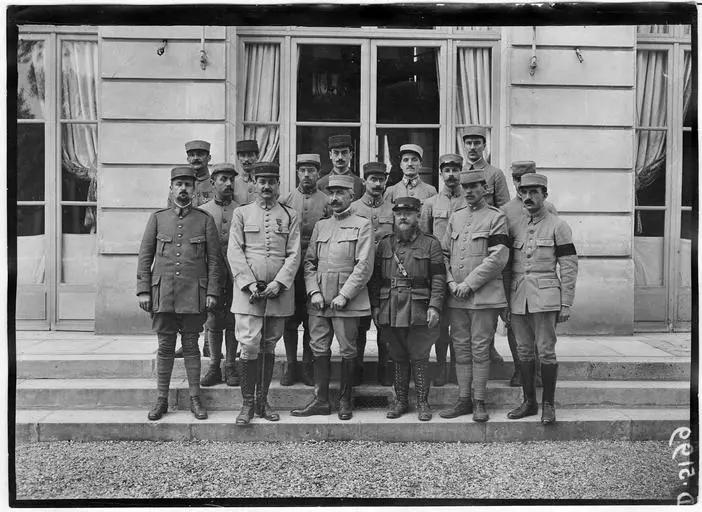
(475, 247)
(311, 205)
(338, 265)
(407, 294)
(435, 215)
(178, 280)
(263, 253)
(341, 156)
(247, 154)
(540, 296)
(373, 207)
(411, 185)
(220, 321)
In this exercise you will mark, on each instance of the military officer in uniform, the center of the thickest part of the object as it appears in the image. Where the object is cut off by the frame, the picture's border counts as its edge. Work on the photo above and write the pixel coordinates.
(245, 184)
(220, 321)
(540, 297)
(263, 254)
(341, 155)
(411, 184)
(514, 210)
(311, 205)
(434, 218)
(178, 280)
(373, 207)
(338, 265)
(407, 294)
(476, 252)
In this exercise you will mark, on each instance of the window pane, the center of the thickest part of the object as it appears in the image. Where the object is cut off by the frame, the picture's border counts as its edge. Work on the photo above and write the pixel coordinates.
(79, 64)
(30, 79)
(79, 162)
(329, 83)
(268, 138)
(30, 162)
(389, 142)
(79, 258)
(313, 139)
(31, 245)
(649, 223)
(650, 168)
(649, 248)
(653, 29)
(77, 219)
(408, 85)
(262, 96)
(688, 112)
(687, 232)
(689, 168)
(651, 88)
(473, 86)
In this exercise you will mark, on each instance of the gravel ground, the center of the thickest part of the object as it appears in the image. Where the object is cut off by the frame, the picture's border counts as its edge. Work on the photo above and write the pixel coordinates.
(548, 470)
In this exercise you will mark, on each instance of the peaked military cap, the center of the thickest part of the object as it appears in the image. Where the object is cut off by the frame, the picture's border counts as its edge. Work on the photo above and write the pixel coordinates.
(471, 176)
(224, 167)
(533, 180)
(246, 146)
(197, 144)
(183, 171)
(339, 141)
(266, 170)
(340, 181)
(474, 131)
(407, 203)
(309, 158)
(523, 167)
(413, 148)
(372, 168)
(450, 158)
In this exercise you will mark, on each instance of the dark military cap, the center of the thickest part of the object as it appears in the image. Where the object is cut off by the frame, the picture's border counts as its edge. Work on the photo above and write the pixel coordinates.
(523, 167)
(340, 181)
(407, 203)
(474, 131)
(533, 180)
(339, 141)
(450, 158)
(246, 146)
(197, 144)
(183, 171)
(225, 167)
(471, 177)
(374, 168)
(266, 170)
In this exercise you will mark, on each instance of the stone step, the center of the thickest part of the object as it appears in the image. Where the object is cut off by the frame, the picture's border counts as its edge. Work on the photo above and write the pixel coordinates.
(140, 393)
(125, 366)
(368, 425)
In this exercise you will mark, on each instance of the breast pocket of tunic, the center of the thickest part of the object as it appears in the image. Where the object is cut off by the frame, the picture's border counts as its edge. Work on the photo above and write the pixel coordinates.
(163, 243)
(199, 244)
(347, 244)
(549, 295)
(251, 233)
(545, 249)
(478, 243)
(323, 246)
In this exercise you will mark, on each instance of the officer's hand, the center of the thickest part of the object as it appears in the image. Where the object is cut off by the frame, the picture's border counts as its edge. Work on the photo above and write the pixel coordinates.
(253, 290)
(506, 316)
(339, 302)
(432, 317)
(317, 301)
(145, 301)
(272, 290)
(375, 313)
(211, 302)
(452, 287)
(564, 314)
(462, 291)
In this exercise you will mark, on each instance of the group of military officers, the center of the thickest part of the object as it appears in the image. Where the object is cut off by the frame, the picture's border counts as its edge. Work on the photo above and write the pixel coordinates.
(429, 269)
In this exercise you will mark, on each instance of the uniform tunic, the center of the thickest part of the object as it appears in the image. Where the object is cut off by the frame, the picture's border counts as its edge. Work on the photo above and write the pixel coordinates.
(244, 188)
(359, 186)
(497, 191)
(437, 209)
(378, 212)
(203, 191)
(419, 190)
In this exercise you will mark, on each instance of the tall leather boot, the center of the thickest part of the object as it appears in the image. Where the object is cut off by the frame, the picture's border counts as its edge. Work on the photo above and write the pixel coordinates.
(348, 369)
(290, 370)
(164, 369)
(361, 339)
(306, 375)
(231, 373)
(401, 378)
(549, 374)
(248, 372)
(193, 363)
(420, 368)
(213, 376)
(539, 382)
(441, 375)
(529, 407)
(263, 383)
(516, 379)
(320, 402)
(385, 369)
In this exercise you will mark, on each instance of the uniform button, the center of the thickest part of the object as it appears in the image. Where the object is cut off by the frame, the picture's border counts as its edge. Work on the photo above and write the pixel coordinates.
(460, 266)
(177, 254)
(528, 255)
(177, 273)
(180, 226)
(462, 257)
(178, 245)
(180, 235)
(224, 232)
(180, 216)
(177, 262)
(375, 216)
(224, 221)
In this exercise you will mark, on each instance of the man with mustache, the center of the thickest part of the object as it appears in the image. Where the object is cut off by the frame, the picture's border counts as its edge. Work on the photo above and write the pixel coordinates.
(407, 293)
(263, 254)
(476, 252)
(540, 296)
(311, 205)
(220, 321)
(373, 207)
(338, 264)
(514, 210)
(341, 154)
(411, 184)
(178, 280)
(247, 153)
(435, 215)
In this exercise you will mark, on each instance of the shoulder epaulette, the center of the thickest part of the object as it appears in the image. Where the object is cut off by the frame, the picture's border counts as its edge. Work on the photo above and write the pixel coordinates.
(494, 208)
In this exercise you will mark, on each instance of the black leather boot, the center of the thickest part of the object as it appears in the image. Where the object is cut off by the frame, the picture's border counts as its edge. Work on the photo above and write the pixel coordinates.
(197, 409)
(401, 380)
(516, 379)
(290, 369)
(384, 370)
(529, 407)
(348, 369)
(549, 374)
(495, 356)
(159, 409)
(263, 383)
(480, 414)
(307, 373)
(231, 373)
(361, 339)
(320, 402)
(247, 371)
(421, 386)
(441, 376)
(463, 406)
(289, 373)
(213, 376)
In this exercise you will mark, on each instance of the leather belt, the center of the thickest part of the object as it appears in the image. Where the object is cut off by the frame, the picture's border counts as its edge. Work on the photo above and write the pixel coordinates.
(406, 282)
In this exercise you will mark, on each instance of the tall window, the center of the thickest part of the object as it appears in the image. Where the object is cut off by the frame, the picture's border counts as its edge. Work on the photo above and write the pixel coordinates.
(473, 94)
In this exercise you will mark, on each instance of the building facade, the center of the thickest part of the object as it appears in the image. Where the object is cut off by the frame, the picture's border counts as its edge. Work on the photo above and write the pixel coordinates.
(103, 113)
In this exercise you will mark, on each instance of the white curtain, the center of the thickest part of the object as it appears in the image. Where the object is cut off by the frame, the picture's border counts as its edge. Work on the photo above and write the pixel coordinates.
(474, 95)
(262, 97)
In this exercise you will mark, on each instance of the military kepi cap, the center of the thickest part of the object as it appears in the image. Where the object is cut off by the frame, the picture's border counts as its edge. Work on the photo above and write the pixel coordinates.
(309, 159)
(223, 168)
(197, 144)
(407, 203)
(471, 177)
(247, 146)
(183, 171)
(533, 180)
(450, 158)
(523, 167)
(340, 181)
(372, 168)
(266, 170)
(339, 141)
(413, 148)
(474, 131)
